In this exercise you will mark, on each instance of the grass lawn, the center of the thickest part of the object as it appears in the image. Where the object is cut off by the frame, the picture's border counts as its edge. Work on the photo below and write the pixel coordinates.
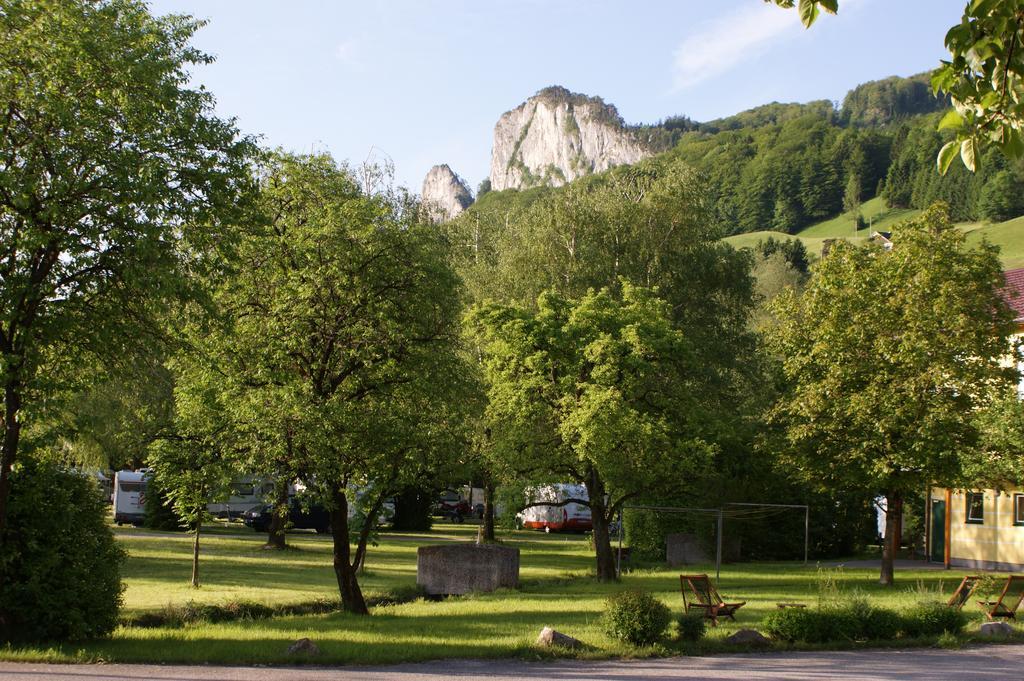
(556, 591)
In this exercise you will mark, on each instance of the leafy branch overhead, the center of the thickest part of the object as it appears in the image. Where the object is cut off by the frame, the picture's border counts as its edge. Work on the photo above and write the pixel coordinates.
(983, 78)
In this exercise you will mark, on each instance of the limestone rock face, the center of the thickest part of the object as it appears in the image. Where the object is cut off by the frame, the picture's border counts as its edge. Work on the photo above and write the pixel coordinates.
(557, 136)
(445, 194)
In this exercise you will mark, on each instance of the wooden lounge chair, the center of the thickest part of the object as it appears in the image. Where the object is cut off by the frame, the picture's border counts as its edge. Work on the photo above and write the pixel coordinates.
(963, 592)
(704, 596)
(1009, 600)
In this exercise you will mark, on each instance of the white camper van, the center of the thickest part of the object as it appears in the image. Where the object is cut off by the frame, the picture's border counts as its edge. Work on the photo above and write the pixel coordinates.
(129, 497)
(570, 516)
(247, 494)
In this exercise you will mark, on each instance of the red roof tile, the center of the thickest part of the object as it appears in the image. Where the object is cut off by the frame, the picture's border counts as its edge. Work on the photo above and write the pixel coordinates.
(1014, 291)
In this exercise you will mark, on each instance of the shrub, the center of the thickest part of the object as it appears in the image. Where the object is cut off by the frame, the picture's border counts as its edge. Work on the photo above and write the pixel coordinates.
(60, 567)
(157, 511)
(861, 621)
(692, 626)
(635, 617)
(794, 624)
(856, 620)
(194, 613)
(933, 619)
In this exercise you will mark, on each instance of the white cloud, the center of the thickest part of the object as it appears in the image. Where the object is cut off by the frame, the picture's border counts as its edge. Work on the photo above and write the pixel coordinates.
(719, 45)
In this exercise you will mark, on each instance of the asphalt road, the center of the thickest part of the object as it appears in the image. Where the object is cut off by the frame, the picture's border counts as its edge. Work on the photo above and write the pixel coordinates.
(984, 663)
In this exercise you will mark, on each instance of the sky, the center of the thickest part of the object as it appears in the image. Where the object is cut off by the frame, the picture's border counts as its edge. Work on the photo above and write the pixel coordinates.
(422, 82)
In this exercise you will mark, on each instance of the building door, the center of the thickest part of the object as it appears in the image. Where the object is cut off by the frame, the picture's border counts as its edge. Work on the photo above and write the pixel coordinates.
(938, 533)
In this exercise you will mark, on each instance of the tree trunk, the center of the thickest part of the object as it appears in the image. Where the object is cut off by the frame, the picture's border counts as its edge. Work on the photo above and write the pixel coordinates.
(9, 448)
(893, 505)
(602, 539)
(489, 511)
(279, 515)
(348, 586)
(195, 555)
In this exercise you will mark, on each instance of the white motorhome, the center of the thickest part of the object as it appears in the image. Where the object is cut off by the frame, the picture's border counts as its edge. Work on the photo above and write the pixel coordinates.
(247, 494)
(568, 516)
(129, 497)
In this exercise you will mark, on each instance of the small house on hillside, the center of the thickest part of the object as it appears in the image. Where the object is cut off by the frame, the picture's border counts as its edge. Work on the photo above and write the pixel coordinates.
(883, 239)
(981, 528)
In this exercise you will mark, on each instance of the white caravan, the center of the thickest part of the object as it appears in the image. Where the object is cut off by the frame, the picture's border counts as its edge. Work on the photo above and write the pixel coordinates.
(569, 516)
(129, 497)
(247, 494)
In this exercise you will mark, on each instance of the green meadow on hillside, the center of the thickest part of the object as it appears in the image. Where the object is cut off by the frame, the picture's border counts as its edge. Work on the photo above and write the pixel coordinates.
(1008, 236)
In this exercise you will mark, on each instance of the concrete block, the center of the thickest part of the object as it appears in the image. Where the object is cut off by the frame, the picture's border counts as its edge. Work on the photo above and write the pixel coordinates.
(452, 569)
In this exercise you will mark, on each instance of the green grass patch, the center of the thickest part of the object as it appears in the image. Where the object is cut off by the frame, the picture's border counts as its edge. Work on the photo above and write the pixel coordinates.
(1008, 236)
(557, 590)
(874, 211)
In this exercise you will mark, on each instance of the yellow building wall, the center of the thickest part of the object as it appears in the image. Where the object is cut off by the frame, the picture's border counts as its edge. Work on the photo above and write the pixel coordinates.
(995, 544)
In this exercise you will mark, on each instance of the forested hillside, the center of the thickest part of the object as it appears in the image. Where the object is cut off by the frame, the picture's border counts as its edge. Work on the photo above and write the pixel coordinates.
(783, 167)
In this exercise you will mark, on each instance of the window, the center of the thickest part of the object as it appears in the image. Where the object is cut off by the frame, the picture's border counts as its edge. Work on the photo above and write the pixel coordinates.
(242, 489)
(132, 486)
(1018, 509)
(975, 508)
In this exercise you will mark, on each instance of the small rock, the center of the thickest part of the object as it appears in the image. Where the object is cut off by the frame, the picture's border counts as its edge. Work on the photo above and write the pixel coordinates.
(550, 637)
(303, 647)
(748, 637)
(995, 629)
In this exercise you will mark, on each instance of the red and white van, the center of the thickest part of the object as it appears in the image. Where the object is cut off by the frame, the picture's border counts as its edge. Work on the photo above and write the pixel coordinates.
(567, 517)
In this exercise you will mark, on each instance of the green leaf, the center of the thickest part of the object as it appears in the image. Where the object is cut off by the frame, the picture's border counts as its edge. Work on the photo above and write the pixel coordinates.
(952, 119)
(808, 12)
(946, 156)
(1012, 145)
(830, 6)
(969, 153)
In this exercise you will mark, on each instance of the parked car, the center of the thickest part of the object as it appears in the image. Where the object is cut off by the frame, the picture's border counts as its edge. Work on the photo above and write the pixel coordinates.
(451, 505)
(313, 517)
(307, 517)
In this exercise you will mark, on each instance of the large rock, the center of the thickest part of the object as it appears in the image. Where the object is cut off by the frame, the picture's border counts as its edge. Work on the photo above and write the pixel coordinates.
(463, 568)
(557, 136)
(303, 647)
(549, 637)
(748, 637)
(445, 194)
(995, 629)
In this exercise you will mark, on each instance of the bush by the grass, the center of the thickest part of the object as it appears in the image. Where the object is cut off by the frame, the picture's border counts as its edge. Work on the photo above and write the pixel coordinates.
(60, 569)
(858, 620)
(636, 617)
(212, 613)
(692, 626)
(933, 619)
(157, 511)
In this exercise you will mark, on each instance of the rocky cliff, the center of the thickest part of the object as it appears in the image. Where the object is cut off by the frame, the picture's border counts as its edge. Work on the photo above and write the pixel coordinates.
(445, 194)
(557, 136)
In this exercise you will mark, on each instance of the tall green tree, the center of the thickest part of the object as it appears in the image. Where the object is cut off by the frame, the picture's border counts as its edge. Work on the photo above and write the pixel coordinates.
(603, 390)
(336, 352)
(192, 461)
(888, 358)
(113, 174)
